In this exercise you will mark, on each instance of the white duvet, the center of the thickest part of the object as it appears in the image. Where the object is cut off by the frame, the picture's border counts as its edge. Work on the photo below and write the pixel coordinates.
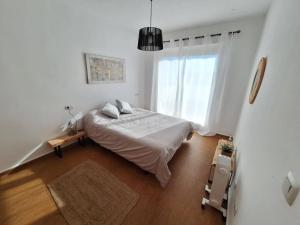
(145, 138)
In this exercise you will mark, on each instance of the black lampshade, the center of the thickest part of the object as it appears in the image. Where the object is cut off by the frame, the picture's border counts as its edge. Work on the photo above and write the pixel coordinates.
(150, 39)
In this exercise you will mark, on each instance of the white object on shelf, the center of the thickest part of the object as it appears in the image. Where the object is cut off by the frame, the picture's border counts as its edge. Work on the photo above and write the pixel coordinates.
(217, 193)
(290, 188)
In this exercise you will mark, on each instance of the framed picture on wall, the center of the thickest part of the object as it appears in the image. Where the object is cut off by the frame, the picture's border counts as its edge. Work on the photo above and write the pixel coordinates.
(104, 69)
(256, 83)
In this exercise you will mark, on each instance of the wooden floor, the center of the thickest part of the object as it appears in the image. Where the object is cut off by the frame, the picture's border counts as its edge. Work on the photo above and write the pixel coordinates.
(24, 197)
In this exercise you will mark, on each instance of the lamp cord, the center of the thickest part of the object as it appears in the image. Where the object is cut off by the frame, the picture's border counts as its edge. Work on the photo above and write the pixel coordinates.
(73, 117)
(151, 14)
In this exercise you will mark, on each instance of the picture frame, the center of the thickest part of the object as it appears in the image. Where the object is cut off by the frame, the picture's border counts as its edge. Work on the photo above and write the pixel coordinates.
(257, 80)
(104, 69)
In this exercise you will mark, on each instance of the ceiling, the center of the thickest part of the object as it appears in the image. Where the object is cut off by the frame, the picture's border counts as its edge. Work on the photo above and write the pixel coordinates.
(175, 14)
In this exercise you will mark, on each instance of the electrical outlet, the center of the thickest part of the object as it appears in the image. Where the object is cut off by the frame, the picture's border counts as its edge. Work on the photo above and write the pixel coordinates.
(290, 188)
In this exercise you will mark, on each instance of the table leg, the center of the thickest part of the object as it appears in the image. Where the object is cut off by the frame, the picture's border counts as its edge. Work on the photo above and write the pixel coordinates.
(81, 141)
(58, 151)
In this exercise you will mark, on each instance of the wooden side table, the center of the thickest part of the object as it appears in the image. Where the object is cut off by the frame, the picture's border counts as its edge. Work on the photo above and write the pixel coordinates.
(58, 142)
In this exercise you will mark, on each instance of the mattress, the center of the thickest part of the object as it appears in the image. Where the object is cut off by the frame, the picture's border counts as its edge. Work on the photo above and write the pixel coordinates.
(145, 138)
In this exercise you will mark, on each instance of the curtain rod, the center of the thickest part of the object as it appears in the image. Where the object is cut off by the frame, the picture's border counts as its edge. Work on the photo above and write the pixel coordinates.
(202, 36)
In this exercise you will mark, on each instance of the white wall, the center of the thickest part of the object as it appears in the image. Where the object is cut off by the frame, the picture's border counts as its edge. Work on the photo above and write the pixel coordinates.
(268, 136)
(42, 69)
(238, 76)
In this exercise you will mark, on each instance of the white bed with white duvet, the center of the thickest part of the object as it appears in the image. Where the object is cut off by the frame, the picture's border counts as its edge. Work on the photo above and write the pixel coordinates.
(145, 138)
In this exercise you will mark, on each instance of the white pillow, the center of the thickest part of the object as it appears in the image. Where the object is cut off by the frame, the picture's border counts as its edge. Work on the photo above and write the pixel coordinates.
(124, 107)
(110, 110)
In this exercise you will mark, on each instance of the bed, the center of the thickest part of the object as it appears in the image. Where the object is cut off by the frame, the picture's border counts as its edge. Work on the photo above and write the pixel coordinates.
(145, 138)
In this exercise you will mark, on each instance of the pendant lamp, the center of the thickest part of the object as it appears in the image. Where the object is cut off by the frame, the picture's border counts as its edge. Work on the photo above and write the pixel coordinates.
(150, 38)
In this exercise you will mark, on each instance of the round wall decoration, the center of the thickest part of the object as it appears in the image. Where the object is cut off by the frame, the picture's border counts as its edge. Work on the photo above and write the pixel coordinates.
(259, 75)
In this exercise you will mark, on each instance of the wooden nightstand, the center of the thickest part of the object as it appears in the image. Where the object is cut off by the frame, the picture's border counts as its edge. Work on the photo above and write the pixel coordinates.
(58, 142)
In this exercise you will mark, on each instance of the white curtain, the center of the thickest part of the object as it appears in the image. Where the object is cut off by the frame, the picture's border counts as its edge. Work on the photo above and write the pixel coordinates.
(189, 79)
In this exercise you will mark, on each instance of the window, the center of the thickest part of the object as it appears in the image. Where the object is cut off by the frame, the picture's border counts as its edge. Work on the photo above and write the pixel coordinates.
(184, 86)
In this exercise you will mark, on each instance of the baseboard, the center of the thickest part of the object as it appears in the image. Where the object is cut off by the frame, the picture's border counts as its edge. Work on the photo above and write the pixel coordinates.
(31, 158)
(26, 162)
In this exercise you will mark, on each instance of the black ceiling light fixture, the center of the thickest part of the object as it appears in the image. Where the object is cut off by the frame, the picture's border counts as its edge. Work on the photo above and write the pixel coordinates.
(150, 38)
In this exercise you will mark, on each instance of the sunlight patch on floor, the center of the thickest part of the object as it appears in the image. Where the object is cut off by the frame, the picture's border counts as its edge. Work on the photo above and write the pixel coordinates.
(18, 204)
(20, 187)
(4, 179)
